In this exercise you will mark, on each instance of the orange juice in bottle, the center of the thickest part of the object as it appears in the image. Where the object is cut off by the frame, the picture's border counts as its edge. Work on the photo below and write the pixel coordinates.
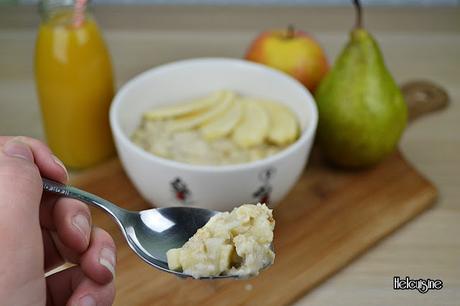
(74, 82)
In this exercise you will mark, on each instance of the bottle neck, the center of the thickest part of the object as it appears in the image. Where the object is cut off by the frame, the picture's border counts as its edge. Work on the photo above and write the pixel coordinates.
(64, 12)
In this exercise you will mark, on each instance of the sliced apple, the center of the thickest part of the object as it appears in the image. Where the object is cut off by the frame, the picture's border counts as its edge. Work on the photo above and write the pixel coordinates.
(284, 128)
(253, 128)
(225, 259)
(223, 125)
(197, 119)
(173, 257)
(198, 105)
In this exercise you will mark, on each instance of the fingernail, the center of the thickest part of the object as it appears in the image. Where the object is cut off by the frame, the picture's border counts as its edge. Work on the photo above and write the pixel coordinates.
(81, 222)
(16, 148)
(61, 164)
(107, 259)
(87, 300)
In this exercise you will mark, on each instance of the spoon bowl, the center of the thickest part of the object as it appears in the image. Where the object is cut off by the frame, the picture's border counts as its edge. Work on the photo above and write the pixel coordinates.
(150, 233)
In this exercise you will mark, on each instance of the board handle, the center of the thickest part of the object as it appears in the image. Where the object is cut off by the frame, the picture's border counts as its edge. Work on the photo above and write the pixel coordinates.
(424, 97)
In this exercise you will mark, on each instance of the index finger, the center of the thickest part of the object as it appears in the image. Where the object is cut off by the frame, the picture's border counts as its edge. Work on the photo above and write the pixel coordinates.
(48, 164)
(50, 167)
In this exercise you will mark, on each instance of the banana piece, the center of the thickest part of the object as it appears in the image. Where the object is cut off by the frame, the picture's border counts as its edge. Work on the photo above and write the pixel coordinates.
(195, 120)
(284, 127)
(253, 128)
(223, 125)
(168, 112)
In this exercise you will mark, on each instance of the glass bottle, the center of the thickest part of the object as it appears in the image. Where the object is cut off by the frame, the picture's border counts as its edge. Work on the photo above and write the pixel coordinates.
(74, 82)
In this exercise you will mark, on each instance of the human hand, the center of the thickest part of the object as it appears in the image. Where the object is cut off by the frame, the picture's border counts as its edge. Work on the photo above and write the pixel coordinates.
(41, 231)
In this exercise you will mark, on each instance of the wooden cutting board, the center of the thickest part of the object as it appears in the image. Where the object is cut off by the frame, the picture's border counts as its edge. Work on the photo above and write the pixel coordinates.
(328, 219)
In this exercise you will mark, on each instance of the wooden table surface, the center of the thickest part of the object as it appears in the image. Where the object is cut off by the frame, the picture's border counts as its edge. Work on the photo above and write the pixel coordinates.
(418, 43)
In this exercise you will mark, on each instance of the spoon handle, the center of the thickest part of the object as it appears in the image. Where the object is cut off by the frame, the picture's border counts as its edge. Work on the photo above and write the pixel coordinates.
(67, 191)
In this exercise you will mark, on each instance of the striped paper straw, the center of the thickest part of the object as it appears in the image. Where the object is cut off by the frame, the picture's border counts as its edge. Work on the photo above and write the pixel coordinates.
(79, 13)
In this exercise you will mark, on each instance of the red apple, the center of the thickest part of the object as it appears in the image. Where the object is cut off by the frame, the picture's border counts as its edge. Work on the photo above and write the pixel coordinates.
(292, 51)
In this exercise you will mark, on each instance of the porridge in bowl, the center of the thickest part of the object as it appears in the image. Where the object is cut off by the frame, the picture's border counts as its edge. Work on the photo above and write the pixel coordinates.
(219, 129)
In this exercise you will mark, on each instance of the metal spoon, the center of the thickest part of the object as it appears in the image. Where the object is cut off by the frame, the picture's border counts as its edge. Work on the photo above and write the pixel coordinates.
(150, 233)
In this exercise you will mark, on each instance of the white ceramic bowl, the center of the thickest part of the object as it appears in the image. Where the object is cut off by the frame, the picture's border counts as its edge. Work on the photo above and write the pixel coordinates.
(165, 182)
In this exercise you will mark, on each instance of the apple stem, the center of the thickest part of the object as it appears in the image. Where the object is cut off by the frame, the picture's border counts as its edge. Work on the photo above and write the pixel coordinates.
(359, 16)
(290, 33)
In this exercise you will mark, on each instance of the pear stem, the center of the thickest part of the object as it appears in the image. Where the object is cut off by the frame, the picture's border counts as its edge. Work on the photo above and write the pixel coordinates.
(290, 32)
(359, 16)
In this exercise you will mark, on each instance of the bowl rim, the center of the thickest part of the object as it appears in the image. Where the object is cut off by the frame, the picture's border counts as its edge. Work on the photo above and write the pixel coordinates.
(306, 134)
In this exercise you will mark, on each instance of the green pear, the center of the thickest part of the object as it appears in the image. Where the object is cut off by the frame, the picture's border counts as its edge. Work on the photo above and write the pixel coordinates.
(362, 112)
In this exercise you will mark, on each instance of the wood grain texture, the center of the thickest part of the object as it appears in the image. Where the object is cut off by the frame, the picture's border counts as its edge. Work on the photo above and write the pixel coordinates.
(329, 218)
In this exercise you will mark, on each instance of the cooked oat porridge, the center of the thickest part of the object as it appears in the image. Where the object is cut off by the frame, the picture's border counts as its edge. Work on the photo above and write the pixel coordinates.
(220, 129)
